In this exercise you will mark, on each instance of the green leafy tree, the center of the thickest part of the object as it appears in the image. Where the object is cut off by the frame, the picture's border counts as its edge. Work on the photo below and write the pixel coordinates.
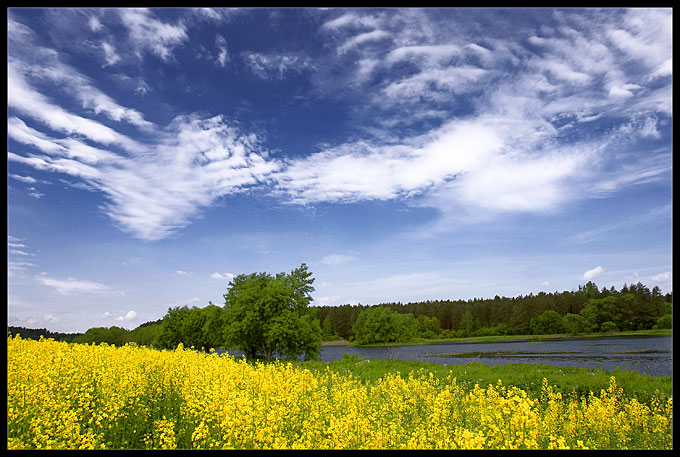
(191, 329)
(379, 324)
(293, 333)
(171, 331)
(467, 323)
(608, 327)
(575, 324)
(598, 311)
(97, 335)
(665, 321)
(428, 326)
(327, 331)
(213, 326)
(546, 323)
(145, 334)
(267, 315)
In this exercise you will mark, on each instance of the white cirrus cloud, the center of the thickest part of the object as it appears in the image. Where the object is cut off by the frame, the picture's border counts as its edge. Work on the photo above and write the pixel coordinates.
(151, 189)
(590, 274)
(26, 100)
(358, 40)
(128, 317)
(430, 53)
(336, 259)
(17, 266)
(349, 20)
(111, 57)
(50, 318)
(277, 66)
(223, 54)
(478, 162)
(327, 301)
(222, 276)
(34, 193)
(25, 179)
(148, 34)
(72, 286)
(429, 83)
(19, 252)
(666, 276)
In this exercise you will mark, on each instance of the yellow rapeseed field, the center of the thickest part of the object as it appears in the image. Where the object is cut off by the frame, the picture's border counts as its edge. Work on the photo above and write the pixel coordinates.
(69, 396)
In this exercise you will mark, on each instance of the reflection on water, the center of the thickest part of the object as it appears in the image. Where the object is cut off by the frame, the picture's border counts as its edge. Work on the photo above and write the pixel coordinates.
(651, 355)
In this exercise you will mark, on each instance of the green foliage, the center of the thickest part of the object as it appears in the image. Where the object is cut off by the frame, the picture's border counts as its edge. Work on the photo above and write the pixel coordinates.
(495, 330)
(668, 307)
(35, 334)
(549, 322)
(170, 334)
(608, 327)
(145, 334)
(618, 309)
(427, 326)
(94, 335)
(448, 333)
(267, 315)
(97, 335)
(293, 333)
(381, 325)
(467, 324)
(665, 321)
(634, 307)
(327, 332)
(214, 321)
(575, 324)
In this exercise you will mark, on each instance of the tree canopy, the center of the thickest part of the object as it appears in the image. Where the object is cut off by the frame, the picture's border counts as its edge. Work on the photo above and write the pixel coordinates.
(634, 307)
(268, 315)
(382, 325)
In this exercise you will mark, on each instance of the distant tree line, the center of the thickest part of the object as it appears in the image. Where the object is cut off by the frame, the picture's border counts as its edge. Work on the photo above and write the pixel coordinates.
(588, 309)
(36, 333)
(144, 335)
(266, 315)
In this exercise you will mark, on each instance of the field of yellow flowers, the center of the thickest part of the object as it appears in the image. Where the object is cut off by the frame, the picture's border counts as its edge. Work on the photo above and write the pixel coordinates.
(70, 396)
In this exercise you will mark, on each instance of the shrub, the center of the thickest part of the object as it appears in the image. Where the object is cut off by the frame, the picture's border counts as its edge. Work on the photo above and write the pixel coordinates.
(608, 327)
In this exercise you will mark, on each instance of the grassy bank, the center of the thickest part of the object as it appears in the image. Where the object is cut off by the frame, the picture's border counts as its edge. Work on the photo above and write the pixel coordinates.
(510, 338)
(571, 382)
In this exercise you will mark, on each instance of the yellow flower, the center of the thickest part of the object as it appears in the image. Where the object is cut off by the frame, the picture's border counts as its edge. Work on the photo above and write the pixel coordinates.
(71, 396)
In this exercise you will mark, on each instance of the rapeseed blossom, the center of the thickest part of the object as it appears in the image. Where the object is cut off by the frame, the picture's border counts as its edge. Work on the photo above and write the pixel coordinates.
(68, 396)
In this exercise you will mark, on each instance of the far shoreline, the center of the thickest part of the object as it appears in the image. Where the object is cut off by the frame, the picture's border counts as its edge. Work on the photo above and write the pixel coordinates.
(508, 338)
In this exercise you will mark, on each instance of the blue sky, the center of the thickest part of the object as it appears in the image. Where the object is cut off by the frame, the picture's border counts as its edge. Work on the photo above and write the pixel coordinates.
(402, 154)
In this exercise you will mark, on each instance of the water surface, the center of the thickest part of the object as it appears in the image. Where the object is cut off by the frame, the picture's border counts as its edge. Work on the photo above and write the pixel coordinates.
(650, 355)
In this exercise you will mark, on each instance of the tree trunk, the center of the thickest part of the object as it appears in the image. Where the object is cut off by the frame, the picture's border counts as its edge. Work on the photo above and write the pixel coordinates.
(267, 351)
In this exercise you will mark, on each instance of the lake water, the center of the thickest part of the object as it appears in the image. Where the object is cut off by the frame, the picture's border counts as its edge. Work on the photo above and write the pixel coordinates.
(651, 355)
